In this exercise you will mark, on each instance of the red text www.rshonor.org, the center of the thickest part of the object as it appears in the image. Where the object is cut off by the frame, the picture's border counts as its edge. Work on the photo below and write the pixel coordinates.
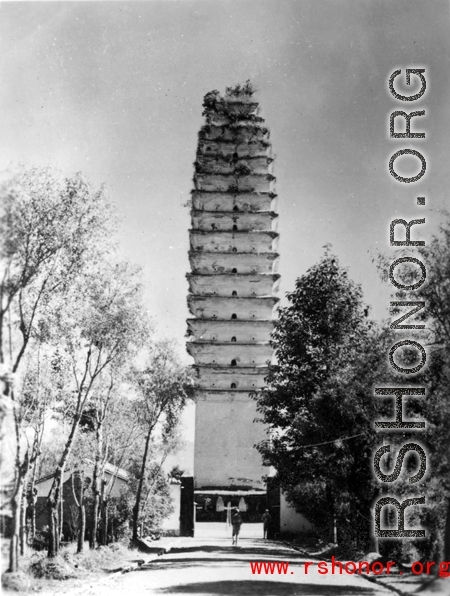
(349, 567)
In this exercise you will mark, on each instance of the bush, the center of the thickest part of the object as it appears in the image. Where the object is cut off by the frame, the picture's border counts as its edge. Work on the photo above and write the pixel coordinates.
(40, 541)
(57, 568)
(16, 582)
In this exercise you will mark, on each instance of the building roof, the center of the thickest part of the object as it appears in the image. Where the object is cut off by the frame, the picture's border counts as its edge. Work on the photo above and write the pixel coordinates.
(43, 485)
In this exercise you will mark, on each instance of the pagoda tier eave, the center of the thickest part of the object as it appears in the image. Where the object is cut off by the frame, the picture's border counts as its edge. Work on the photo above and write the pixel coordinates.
(217, 163)
(230, 262)
(213, 377)
(212, 132)
(235, 194)
(230, 330)
(219, 290)
(244, 233)
(229, 343)
(234, 202)
(234, 299)
(233, 175)
(221, 182)
(223, 355)
(224, 344)
(235, 322)
(224, 392)
(232, 143)
(274, 276)
(266, 254)
(200, 212)
(256, 369)
(232, 321)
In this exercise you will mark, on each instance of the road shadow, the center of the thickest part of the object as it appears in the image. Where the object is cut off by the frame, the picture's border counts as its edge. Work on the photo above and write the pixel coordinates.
(176, 564)
(242, 550)
(264, 588)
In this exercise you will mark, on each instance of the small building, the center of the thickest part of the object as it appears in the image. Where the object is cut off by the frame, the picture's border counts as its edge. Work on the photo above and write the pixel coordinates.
(114, 482)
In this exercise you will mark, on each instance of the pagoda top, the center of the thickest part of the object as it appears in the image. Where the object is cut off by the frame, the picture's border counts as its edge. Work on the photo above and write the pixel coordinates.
(237, 103)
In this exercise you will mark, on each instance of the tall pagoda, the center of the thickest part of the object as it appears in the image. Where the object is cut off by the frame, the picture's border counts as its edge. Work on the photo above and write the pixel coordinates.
(233, 279)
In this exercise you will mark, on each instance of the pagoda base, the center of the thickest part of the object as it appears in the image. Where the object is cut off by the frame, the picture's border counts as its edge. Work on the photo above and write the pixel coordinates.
(226, 433)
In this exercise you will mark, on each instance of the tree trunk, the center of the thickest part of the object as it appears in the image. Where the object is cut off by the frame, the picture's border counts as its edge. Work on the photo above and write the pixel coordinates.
(139, 490)
(39, 434)
(23, 520)
(16, 504)
(96, 486)
(32, 501)
(332, 532)
(374, 546)
(21, 469)
(53, 501)
(94, 521)
(53, 538)
(82, 528)
(104, 522)
(60, 510)
(15, 529)
(447, 533)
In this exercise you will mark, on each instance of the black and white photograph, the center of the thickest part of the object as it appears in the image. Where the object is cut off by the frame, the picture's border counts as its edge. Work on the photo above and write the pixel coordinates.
(225, 297)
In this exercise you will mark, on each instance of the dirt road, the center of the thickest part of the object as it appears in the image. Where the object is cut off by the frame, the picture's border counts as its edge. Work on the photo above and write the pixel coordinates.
(211, 566)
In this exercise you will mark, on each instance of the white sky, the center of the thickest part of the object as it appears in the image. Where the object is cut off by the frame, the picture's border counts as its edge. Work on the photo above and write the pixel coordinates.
(114, 89)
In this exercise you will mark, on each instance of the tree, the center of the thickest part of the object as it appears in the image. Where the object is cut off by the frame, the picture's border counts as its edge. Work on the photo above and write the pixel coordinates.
(121, 443)
(176, 472)
(317, 402)
(163, 388)
(80, 481)
(49, 227)
(99, 413)
(38, 395)
(100, 326)
(109, 407)
(435, 294)
(102, 438)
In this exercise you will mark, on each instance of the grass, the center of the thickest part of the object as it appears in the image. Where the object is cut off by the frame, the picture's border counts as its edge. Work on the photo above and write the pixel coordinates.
(38, 573)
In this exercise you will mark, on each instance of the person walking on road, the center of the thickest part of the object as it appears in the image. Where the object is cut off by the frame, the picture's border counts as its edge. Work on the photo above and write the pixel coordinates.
(266, 519)
(236, 522)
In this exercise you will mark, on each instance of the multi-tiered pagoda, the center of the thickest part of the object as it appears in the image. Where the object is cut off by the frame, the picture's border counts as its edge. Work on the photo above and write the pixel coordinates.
(234, 260)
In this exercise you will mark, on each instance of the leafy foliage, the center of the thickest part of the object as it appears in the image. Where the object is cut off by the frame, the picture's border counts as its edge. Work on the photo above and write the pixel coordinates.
(246, 88)
(435, 292)
(71, 321)
(318, 400)
(163, 389)
(50, 228)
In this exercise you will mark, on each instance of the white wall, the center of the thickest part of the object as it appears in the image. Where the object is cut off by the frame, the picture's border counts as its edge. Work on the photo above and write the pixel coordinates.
(172, 523)
(224, 443)
(290, 520)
